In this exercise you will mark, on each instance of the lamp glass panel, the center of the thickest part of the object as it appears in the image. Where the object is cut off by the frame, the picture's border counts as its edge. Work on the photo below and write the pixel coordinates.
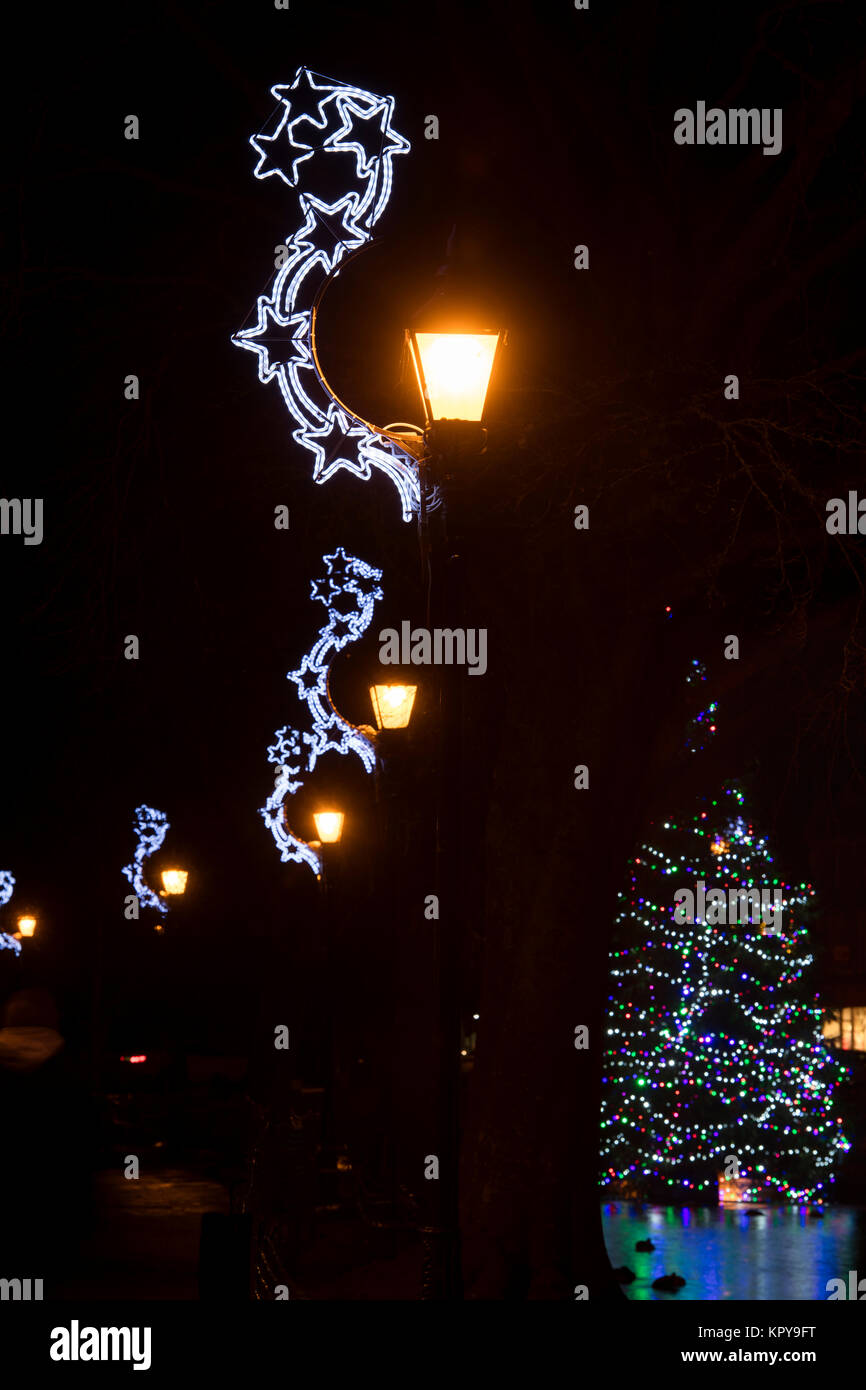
(329, 826)
(392, 705)
(174, 880)
(456, 370)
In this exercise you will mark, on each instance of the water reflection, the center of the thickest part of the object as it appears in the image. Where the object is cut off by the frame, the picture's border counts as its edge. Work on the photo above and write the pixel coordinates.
(723, 1253)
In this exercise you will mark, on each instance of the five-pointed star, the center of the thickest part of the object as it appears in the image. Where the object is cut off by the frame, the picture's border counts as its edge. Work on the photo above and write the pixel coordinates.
(329, 440)
(340, 566)
(343, 629)
(309, 679)
(270, 333)
(285, 149)
(286, 749)
(323, 590)
(330, 227)
(304, 93)
(329, 736)
(366, 133)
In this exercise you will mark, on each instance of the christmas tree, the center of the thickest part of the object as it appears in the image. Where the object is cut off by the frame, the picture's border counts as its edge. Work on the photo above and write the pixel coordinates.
(714, 1061)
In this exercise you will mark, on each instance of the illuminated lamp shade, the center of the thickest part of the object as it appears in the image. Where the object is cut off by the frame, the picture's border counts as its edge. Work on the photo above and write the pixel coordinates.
(392, 705)
(26, 925)
(174, 882)
(453, 371)
(329, 826)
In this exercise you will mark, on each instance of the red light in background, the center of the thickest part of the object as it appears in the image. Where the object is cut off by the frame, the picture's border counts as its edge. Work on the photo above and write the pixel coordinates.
(136, 1057)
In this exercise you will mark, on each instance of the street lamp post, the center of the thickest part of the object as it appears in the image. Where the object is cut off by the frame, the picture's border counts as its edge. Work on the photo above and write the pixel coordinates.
(329, 828)
(453, 372)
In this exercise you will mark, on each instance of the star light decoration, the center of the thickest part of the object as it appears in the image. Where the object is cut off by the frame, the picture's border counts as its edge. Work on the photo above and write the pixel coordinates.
(349, 590)
(7, 888)
(151, 828)
(319, 119)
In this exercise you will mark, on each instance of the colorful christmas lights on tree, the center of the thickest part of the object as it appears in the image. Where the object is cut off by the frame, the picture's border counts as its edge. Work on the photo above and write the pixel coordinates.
(714, 1040)
(349, 590)
(324, 126)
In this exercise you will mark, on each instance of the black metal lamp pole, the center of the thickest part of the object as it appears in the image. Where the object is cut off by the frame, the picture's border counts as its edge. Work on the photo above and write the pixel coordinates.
(450, 443)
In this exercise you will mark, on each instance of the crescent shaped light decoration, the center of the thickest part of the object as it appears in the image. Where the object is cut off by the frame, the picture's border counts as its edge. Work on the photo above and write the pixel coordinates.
(349, 592)
(7, 888)
(317, 119)
(151, 828)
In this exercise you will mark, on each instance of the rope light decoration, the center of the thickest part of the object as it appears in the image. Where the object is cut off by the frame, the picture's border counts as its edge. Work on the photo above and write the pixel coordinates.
(7, 888)
(151, 828)
(349, 590)
(318, 119)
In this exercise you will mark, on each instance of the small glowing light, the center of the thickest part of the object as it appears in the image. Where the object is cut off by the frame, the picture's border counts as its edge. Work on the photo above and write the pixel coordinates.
(136, 1057)
(392, 705)
(720, 846)
(329, 826)
(453, 371)
(26, 925)
(174, 881)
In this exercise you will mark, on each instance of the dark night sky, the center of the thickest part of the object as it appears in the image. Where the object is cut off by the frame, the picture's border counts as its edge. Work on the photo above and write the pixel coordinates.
(144, 257)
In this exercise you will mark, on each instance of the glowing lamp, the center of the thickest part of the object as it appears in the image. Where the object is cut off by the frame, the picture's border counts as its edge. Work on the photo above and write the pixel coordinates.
(173, 882)
(453, 371)
(392, 705)
(26, 926)
(329, 826)
(733, 1192)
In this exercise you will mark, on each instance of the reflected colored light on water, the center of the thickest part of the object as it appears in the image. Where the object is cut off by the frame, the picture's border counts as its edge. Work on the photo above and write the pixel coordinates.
(725, 1254)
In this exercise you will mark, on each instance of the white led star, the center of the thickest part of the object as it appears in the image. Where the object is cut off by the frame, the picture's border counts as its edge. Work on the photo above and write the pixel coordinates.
(304, 101)
(332, 443)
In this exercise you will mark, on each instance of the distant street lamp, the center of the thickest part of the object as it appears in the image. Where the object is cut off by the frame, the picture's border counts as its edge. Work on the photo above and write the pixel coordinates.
(329, 826)
(392, 705)
(173, 882)
(26, 925)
